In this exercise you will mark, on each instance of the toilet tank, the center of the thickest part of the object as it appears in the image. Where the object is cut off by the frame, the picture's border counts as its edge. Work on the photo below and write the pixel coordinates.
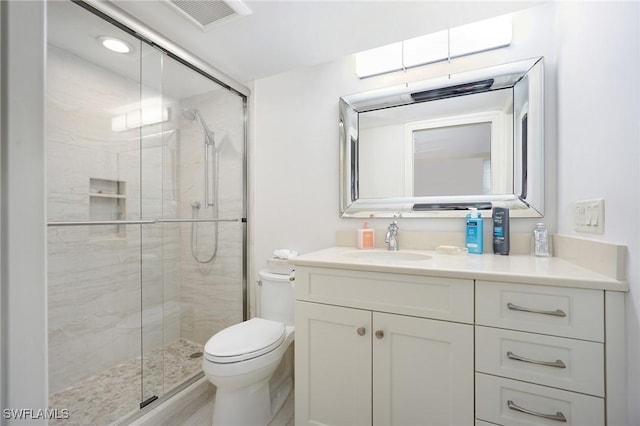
(276, 297)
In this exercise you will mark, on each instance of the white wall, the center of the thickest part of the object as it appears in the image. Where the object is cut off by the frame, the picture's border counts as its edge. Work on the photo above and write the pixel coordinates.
(23, 332)
(591, 52)
(599, 137)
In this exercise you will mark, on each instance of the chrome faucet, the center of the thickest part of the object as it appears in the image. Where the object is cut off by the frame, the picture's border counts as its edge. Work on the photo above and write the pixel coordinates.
(392, 237)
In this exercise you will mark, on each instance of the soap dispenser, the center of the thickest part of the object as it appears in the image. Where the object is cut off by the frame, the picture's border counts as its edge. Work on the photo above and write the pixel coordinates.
(366, 237)
(474, 232)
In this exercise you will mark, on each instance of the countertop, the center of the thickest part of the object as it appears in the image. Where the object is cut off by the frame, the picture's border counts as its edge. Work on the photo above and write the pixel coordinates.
(522, 269)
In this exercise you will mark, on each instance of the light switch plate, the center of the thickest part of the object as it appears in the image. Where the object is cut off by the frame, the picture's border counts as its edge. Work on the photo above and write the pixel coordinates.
(588, 216)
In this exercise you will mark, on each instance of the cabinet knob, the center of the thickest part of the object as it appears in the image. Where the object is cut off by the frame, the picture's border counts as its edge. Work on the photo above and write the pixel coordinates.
(379, 334)
(361, 331)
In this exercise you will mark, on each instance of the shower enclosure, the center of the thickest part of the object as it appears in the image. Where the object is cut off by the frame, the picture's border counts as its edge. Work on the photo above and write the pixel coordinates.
(146, 217)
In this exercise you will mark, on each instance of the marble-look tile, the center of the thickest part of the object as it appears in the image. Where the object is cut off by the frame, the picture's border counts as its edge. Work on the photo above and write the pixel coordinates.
(100, 276)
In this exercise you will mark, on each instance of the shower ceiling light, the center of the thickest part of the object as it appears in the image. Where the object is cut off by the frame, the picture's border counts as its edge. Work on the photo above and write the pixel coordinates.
(115, 44)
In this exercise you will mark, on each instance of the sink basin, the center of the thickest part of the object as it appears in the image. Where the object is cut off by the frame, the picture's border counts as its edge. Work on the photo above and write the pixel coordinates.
(382, 256)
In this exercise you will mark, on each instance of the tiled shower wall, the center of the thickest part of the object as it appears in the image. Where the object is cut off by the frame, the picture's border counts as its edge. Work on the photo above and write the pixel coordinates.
(94, 279)
(211, 296)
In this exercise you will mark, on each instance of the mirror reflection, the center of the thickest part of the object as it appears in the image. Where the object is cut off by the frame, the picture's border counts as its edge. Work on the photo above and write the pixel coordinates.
(442, 156)
(446, 145)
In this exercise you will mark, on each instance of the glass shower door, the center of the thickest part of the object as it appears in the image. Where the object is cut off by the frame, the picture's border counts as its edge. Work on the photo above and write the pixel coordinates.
(94, 232)
(155, 123)
(192, 172)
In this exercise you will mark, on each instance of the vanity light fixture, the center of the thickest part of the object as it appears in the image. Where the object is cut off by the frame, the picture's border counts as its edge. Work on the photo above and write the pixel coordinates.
(379, 60)
(115, 44)
(443, 45)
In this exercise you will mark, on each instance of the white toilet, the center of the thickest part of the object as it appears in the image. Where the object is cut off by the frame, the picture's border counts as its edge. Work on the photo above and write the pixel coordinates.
(246, 361)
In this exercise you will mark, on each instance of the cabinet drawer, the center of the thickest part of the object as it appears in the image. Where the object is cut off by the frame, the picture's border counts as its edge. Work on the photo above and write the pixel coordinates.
(566, 312)
(570, 364)
(510, 402)
(438, 298)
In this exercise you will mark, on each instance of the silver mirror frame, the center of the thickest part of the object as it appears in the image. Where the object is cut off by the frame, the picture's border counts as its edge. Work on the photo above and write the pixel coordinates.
(527, 199)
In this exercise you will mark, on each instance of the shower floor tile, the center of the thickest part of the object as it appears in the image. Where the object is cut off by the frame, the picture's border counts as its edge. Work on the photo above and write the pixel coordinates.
(116, 392)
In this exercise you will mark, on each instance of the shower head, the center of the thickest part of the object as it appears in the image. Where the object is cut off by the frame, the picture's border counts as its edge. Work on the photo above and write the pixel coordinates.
(193, 115)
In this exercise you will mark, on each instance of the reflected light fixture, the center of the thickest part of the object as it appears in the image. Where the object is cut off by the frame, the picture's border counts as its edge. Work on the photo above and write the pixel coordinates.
(115, 44)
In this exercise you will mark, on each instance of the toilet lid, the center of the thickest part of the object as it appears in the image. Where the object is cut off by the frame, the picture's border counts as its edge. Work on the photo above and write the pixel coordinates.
(244, 341)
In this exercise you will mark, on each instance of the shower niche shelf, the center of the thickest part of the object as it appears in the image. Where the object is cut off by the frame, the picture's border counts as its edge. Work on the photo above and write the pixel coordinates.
(107, 201)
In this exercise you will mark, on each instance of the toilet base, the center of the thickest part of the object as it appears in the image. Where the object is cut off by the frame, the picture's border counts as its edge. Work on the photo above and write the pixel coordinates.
(245, 406)
(253, 406)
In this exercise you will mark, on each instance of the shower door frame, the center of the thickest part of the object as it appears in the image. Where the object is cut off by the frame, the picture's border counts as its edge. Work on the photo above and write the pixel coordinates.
(129, 24)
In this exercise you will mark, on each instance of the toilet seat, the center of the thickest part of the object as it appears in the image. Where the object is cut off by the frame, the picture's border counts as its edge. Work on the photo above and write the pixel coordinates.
(244, 341)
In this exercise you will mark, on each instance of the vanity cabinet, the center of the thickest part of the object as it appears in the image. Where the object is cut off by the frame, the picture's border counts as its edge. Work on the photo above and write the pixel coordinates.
(540, 354)
(383, 349)
(478, 339)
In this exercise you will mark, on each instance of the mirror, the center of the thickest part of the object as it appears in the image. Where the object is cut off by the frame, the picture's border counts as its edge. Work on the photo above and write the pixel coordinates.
(438, 147)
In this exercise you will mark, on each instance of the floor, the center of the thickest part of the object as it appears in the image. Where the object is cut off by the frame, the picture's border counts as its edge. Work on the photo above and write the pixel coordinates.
(203, 416)
(116, 392)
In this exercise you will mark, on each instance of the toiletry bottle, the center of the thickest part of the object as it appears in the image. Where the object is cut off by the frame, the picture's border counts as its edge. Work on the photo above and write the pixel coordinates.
(500, 218)
(366, 237)
(474, 234)
(541, 242)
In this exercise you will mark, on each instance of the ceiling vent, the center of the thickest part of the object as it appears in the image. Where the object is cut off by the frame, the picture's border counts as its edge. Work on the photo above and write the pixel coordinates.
(206, 13)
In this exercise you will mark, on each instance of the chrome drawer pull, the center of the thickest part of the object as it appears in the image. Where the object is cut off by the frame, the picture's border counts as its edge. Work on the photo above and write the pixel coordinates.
(558, 417)
(556, 313)
(557, 364)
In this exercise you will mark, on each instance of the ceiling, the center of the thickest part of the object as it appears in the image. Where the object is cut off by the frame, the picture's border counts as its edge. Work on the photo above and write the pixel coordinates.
(283, 35)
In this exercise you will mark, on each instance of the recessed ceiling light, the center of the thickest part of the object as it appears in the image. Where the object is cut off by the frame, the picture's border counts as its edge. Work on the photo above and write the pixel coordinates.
(115, 44)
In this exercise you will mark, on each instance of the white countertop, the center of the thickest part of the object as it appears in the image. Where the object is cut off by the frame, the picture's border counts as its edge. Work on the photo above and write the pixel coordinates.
(513, 268)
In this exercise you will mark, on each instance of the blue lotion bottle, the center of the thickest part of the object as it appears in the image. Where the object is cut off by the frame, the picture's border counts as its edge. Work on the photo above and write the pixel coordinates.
(474, 234)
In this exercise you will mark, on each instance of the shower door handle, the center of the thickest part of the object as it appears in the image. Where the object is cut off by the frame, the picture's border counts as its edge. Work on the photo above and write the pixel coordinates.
(102, 222)
(197, 220)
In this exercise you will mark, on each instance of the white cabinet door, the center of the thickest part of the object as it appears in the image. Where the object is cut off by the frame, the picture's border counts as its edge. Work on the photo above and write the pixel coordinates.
(422, 371)
(333, 365)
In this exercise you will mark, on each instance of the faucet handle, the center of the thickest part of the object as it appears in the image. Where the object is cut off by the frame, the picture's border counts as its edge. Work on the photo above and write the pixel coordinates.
(397, 215)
